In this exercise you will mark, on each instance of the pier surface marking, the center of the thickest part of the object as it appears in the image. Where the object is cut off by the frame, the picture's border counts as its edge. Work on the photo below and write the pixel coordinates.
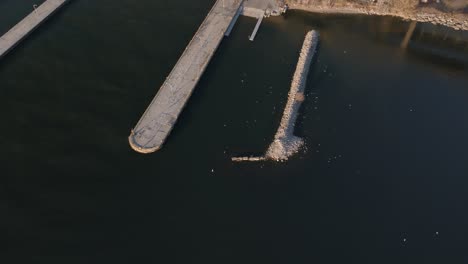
(10, 39)
(159, 118)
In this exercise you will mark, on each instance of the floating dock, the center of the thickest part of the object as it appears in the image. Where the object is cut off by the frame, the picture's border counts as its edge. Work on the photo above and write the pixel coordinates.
(160, 117)
(257, 26)
(10, 39)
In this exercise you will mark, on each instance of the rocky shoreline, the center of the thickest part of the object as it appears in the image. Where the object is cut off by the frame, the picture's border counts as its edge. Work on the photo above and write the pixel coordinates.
(455, 21)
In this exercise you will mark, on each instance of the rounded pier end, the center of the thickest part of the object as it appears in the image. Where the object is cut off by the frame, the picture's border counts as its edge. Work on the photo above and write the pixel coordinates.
(140, 149)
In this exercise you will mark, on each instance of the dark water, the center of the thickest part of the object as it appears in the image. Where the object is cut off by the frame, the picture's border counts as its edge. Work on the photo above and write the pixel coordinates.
(384, 179)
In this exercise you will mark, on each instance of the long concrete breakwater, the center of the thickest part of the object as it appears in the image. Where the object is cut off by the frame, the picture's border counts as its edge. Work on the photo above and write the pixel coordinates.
(17, 33)
(155, 125)
(285, 143)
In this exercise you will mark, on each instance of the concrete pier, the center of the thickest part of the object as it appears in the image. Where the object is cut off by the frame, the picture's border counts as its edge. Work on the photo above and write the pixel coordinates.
(160, 117)
(10, 39)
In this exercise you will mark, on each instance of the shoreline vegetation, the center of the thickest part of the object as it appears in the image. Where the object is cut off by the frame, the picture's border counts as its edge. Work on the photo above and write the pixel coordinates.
(405, 9)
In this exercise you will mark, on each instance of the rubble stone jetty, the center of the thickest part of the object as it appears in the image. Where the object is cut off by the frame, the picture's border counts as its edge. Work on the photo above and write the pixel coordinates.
(285, 143)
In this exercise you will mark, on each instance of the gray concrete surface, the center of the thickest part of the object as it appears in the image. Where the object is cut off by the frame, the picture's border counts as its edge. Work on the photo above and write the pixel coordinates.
(257, 8)
(263, 4)
(10, 39)
(160, 117)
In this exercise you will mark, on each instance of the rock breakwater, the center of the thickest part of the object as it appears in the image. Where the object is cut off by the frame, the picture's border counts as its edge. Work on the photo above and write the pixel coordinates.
(285, 143)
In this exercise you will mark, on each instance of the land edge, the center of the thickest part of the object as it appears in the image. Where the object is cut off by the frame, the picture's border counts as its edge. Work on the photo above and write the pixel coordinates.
(457, 22)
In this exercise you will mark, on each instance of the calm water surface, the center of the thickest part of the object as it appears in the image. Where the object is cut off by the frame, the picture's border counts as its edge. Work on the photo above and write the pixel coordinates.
(383, 180)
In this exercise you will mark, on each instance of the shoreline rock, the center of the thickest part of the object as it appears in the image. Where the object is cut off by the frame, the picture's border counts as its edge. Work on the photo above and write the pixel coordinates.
(285, 143)
(439, 18)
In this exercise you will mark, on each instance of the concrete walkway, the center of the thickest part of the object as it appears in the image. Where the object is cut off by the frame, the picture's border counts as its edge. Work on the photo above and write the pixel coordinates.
(263, 4)
(28, 24)
(160, 117)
